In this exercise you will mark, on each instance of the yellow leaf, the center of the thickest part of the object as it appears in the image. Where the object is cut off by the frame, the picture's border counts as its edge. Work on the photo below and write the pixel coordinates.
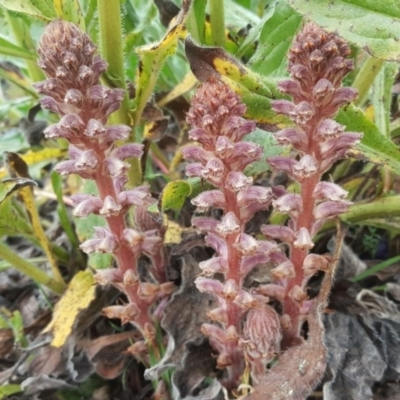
(18, 168)
(79, 294)
(174, 231)
(34, 157)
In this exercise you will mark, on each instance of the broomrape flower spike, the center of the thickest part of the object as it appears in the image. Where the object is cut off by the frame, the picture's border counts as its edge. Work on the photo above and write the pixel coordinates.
(317, 65)
(73, 90)
(217, 124)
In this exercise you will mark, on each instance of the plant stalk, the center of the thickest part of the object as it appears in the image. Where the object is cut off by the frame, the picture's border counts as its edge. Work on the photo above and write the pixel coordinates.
(111, 44)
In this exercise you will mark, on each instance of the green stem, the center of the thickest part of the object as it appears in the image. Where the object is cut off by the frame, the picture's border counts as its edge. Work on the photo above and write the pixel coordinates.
(383, 207)
(196, 20)
(111, 44)
(30, 270)
(366, 77)
(217, 20)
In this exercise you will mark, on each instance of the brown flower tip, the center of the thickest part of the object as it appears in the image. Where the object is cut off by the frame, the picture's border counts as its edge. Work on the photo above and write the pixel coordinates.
(67, 56)
(316, 54)
(64, 41)
(216, 111)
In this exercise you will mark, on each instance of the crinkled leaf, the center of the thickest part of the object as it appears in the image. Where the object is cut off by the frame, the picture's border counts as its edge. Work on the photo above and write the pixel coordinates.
(362, 351)
(275, 40)
(79, 294)
(370, 24)
(183, 323)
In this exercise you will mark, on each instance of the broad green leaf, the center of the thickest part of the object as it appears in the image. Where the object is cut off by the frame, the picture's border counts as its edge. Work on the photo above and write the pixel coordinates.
(374, 145)
(42, 9)
(275, 40)
(372, 25)
(70, 10)
(174, 194)
(9, 49)
(78, 296)
(9, 186)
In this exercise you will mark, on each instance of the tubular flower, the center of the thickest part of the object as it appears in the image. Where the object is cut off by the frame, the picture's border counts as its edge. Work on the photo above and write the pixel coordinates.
(220, 158)
(317, 65)
(73, 90)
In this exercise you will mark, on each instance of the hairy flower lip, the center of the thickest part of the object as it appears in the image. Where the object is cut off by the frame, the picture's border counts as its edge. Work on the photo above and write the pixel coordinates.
(329, 191)
(209, 198)
(289, 203)
(214, 265)
(283, 233)
(330, 209)
(303, 239)
(229, 224)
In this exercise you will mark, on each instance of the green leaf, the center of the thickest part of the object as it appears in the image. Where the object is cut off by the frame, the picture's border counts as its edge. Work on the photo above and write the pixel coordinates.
(382, 96)
(152, 57)
(374, 145)
(196, 20)
(42, 9)
(70, 10)
(174, 194)
(9, 389)
(375, 269)
(275, 40)
(270, 148)
(372, 25)
(9, 49)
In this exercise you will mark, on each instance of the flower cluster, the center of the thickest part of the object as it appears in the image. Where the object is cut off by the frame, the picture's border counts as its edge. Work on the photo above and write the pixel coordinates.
(317, 65)
(73, 90)
(217, 125)
(246, 328)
